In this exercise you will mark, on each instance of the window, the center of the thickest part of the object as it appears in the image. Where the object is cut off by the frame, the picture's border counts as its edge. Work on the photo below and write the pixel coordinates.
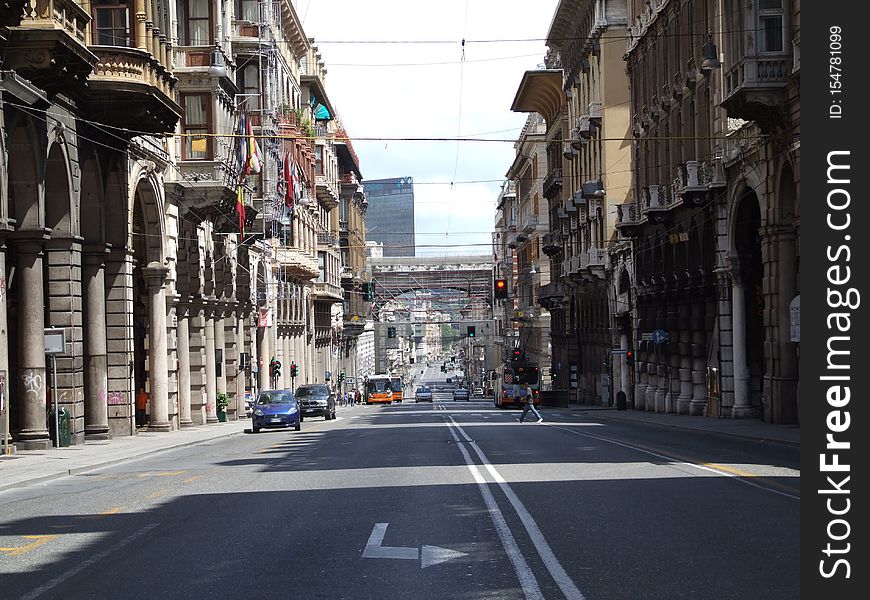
(770, 26)
(319, 163)
(198, 23)
(249, 82)
(197, 117)
(112, 23)
(248, 11)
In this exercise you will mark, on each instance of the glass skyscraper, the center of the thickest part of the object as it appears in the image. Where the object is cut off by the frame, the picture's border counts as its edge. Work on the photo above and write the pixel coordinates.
(390, 215)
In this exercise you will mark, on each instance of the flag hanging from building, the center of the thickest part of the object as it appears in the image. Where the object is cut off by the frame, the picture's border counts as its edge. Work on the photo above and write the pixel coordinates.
(241, 146)
(254, 161)
(240, 208)
(290, 187)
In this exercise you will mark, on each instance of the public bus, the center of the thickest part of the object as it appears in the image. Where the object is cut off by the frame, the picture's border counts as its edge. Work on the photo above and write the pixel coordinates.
(509, 381)
(397, 385)
(379, 390)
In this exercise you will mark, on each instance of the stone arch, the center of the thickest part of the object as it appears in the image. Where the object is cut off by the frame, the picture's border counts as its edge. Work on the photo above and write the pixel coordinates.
(745, 231)
(146, 213)
(25, 175)
(60, 213)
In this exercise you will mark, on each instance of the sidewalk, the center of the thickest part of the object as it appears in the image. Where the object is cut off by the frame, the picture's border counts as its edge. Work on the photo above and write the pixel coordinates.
(27, 467)
(745, 428)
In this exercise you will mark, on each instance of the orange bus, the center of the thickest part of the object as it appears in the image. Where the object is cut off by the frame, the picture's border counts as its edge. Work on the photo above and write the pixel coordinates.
(397, 385)
(379, 390)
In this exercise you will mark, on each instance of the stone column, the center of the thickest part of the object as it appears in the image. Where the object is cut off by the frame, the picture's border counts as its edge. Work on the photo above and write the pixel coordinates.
(288, 356)
(4, 331)
(210, 375)
(684, 349)
(661, 365)
(640, 372)
(263, 358)
(158, 359)
(742, 406)
(32, 433)
(95, 351)
(698, 404)
(220, 343)
(241, 374)
(184, 418)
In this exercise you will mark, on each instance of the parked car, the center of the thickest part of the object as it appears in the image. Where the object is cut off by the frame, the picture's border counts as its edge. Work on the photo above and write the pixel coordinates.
(276, 408)
(249, 405)
(460, 394)
(423, 394)
(316, 400)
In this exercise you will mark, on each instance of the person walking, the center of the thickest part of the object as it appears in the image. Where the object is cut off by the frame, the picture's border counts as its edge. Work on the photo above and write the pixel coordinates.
(141, 405)
(357, 396)
(529, 404)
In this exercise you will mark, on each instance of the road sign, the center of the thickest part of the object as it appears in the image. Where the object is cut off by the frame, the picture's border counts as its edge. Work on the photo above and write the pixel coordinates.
(659, 336)
(428, 555)
(618, 350)
(646, 337)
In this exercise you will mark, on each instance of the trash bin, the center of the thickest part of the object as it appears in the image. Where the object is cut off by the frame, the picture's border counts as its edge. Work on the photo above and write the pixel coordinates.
(620, 401)
(65, 427)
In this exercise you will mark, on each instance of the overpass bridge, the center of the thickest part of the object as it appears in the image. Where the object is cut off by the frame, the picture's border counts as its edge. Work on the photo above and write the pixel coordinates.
(460, 286)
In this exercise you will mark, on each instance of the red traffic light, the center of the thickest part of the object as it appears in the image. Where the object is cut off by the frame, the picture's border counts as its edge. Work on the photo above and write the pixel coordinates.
(500, 283)
(500, 288)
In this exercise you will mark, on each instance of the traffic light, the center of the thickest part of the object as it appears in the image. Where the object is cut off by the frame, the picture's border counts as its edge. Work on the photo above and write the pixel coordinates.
(471, 330)
(516, 355)
(276, 368)
(501, 289)
(293, 369)
(370, 290)
(341, 377)
(629, 357)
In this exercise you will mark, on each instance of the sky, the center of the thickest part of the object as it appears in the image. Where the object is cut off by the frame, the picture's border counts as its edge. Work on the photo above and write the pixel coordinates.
(393, 91)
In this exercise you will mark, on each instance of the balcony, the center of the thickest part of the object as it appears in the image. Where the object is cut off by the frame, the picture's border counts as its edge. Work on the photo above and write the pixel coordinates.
(346, 274)
(327, 239)
(130, 89)
(531, 223)
(579, 200)
(628, 220)
(210, 60)
(755, 89)
(583, 126)
(596, 262)
(658, 202)
(297, 262)
(595, 110)
(323, 290)
(49, 45)
(327, 191)
(551, 243)
(552, 295)
(712, 174)
(512, 240)
(688, 185)
(552, 183)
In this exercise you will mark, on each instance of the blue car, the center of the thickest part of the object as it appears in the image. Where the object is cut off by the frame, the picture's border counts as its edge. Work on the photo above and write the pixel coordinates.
(276, 408)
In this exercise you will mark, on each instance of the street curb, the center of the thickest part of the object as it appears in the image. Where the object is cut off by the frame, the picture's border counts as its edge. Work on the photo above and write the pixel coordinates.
(704, 430)
(111, 462)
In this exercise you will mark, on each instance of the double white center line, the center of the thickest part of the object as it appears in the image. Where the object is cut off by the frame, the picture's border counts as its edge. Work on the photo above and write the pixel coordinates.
(527, 578)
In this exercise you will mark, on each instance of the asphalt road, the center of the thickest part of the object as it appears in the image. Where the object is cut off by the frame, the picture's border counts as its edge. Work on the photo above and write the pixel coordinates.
(424, 501)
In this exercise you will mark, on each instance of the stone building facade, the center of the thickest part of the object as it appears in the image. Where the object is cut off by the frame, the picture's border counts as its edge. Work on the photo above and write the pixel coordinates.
(126, 220)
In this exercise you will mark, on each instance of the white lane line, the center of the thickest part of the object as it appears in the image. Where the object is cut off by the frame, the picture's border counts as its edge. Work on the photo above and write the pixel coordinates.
(671, 459)
(529, 583)
(563, 580)
(87, 563)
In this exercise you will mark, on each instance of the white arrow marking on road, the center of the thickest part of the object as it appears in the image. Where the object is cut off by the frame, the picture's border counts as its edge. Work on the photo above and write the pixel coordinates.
(429, 555)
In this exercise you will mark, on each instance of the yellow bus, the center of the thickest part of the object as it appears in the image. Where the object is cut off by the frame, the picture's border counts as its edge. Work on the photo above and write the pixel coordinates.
(379, 390)
(397, 385)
